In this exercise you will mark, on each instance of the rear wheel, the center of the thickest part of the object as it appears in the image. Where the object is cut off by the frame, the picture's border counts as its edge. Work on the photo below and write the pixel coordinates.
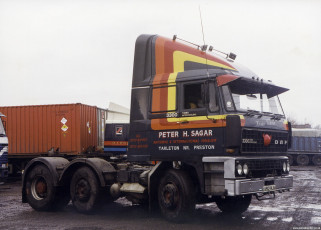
(85, 190)
(234, 204)
(316, 160)
(302, 160)
(176, 196)
(42, 195)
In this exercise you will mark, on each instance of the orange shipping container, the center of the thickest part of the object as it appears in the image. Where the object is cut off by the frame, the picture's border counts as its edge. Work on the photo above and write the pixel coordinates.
(71, 129)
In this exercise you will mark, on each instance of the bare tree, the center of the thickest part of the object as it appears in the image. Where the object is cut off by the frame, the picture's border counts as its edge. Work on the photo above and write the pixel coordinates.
(292, 119)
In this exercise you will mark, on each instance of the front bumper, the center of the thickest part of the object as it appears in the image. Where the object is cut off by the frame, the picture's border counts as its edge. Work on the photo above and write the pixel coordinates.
(263, 185)
(220, 176)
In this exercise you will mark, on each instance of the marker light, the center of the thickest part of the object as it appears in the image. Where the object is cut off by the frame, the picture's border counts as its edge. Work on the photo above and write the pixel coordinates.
(232, 56)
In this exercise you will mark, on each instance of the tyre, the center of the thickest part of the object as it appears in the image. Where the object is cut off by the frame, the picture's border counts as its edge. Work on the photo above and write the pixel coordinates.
(316, 159)
(85, 190)
(302, 160)
(234, 204)
(40, 189)
(176, 195)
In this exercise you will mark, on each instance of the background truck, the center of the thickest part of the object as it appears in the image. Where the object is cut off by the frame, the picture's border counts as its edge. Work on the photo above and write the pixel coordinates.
(216, 132)
(306, 147)
(3, 152)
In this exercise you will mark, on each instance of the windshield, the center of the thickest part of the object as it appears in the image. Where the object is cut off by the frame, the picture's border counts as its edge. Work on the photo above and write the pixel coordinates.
(2, 132)
(248, 96)
(257, 102)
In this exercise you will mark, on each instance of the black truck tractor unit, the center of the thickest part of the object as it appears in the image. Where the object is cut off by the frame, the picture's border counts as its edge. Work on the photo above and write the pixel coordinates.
(202, 129)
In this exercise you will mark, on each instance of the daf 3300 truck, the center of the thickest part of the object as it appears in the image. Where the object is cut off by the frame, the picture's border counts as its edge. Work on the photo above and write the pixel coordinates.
(202, 129)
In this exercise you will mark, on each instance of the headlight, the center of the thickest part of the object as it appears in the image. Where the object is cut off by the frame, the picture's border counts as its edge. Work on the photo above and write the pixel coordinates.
(239, 169)
(284, 166)
(245, 169)
(288, 166)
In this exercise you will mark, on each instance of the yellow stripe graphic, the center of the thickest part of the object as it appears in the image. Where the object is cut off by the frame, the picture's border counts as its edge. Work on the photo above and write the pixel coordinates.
(179, 58)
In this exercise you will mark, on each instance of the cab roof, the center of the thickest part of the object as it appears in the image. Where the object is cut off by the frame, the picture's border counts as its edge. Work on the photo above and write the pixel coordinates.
(159, 60)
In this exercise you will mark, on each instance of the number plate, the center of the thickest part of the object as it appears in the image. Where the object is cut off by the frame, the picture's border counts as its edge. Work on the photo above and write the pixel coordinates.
(268, 188)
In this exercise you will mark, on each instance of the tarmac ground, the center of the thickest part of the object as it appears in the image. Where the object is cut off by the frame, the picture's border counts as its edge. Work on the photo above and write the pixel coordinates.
(298, 209)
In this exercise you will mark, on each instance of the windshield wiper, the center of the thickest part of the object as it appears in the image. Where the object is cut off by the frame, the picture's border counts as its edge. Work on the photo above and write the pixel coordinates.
(251, 113)
(277, 116)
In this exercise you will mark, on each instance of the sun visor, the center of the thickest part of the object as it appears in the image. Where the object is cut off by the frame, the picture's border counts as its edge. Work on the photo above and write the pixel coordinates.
(274, 90)
(242, 86)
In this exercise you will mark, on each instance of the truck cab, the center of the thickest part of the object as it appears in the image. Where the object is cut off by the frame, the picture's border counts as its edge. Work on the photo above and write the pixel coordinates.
(3, 152)
(209, 115)
(202, 129)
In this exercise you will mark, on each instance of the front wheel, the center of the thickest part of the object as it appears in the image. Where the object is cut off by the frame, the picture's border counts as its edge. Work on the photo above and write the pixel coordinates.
(234, 204)
(176, 196)
(85, 190)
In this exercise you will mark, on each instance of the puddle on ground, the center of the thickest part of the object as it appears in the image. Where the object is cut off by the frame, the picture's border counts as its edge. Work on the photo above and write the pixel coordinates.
(290, 219)
(272, 218)
(316, 220)
(266, 209)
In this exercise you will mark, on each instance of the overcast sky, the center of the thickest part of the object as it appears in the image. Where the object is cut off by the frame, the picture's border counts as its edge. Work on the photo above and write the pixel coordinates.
(54, 52)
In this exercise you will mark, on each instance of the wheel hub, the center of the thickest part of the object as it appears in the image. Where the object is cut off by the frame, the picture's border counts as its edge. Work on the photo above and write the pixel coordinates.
(170, 196)
(83, 190)
(39, 188)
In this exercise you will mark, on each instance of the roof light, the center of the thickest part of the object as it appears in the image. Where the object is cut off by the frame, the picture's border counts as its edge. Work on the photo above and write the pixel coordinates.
(232, 56)
(204, 48)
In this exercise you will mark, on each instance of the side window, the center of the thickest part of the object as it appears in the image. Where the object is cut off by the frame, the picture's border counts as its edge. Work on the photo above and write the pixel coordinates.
(194, 96)
(228, 101)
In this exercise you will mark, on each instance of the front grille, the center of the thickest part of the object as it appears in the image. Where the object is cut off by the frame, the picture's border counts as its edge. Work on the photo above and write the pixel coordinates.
(265, 164)
(253, 141)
